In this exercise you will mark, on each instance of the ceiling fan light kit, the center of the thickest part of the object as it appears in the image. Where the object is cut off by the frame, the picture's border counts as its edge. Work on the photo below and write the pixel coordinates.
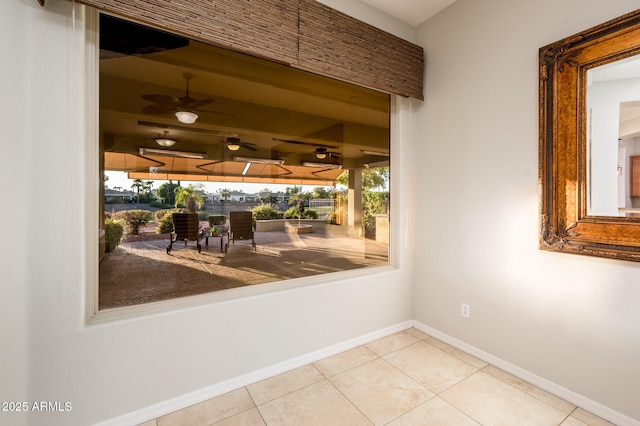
(165, 141)
(186, 117)
(233, 143)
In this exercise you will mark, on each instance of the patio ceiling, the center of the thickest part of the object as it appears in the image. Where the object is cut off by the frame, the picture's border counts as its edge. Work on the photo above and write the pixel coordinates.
(204, 170)
(280, 112)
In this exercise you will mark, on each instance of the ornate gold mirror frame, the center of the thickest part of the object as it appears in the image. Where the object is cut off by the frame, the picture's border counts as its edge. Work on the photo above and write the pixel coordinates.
(565, 225)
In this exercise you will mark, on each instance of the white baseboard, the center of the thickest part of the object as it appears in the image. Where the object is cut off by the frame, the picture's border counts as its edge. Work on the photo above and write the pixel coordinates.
(551, 387)
(178, 403)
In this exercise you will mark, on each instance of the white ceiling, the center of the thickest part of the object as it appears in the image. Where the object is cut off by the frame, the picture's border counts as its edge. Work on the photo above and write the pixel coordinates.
(412, 12)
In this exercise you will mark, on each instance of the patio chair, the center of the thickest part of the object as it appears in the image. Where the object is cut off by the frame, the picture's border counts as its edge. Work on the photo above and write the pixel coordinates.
(240, 228)
(186, 227)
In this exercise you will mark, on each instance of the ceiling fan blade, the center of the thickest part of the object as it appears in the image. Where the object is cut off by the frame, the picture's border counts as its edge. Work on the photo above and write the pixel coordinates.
(185, 101)
(208, 111)
(159, 99)
(306, 143)
(248, 145)
(182, 128)
(200, 103)
(158, 109)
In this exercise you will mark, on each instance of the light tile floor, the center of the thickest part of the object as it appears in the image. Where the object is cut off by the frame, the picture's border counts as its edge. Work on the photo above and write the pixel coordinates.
(408, 378)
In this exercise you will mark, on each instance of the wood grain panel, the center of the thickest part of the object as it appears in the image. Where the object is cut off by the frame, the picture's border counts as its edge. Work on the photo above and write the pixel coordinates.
(338, 45)
(301, 33)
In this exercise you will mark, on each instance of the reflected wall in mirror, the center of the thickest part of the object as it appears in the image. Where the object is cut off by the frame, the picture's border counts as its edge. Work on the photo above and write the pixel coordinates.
(613, 138)
(589, 157)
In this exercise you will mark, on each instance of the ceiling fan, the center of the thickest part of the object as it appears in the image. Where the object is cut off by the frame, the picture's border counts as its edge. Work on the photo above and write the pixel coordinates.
(234, 143)
(165, 104)
(322, 153)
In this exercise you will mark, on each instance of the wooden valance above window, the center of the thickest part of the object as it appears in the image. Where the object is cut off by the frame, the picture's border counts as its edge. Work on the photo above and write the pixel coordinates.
(304, 34)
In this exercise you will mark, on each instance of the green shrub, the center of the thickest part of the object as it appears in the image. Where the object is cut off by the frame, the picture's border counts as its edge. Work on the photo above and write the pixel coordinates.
(202, 214)
(113, 231)
(216, 219)
(165, 223)
(266, 212)
(134, 219)
(294, 213)
(159, 214)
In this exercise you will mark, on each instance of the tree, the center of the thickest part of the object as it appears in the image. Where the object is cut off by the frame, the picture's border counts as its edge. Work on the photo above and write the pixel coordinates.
(320, 192)
(167, 192)
(146, 190)
(298, 197)
(265, 195)
(189, 197)
(137, 185)
(293, 190)
(225, 193)
(372, 179)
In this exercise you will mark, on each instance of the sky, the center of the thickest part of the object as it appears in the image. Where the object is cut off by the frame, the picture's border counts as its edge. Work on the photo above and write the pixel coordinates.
(119, 179)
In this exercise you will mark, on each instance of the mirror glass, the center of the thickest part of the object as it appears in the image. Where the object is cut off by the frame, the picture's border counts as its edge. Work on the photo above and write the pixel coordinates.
(613, 139)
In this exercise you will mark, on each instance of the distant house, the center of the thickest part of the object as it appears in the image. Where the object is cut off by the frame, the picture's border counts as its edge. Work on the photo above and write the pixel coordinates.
(210, 198)
(280, 197)
(243, 197)
(112, 196)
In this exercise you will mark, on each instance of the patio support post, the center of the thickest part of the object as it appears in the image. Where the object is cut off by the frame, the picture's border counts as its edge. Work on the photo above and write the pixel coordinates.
(354, 205)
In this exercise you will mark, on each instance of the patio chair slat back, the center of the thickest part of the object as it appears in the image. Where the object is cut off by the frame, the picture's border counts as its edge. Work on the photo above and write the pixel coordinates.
(241, 227)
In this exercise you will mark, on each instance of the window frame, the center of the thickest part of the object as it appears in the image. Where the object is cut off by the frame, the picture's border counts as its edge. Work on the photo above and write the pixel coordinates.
(93, 315)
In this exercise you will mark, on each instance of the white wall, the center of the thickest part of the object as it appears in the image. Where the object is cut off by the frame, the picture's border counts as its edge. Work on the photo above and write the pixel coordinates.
(571, 319)
(108, 370)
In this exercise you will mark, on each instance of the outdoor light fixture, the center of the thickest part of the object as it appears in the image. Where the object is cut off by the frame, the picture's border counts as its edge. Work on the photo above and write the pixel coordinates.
(380, 153)
(259, 160)
(246, 169)
(233, 146)
(322, 165)
(321, 155)
(377, 164)
(165, 141)
(168, 153)
(186, 117)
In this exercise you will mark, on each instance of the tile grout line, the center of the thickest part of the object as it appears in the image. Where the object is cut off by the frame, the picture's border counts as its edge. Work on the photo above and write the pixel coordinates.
(348, 399)
(575, 407)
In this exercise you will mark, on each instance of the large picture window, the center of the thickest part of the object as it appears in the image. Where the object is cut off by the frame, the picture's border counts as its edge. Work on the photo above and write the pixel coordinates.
(221, 170)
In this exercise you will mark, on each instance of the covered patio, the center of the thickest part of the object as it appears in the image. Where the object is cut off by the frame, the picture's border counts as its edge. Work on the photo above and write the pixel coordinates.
(140, 270)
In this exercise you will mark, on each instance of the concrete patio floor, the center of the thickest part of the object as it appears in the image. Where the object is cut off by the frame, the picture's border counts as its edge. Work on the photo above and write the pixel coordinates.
(140, 270)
